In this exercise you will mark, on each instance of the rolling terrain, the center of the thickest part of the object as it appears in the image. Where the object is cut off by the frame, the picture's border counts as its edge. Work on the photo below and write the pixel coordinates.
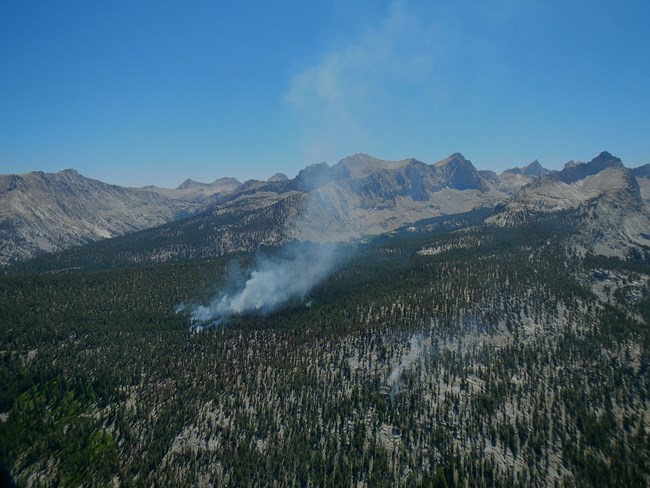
(505, 346)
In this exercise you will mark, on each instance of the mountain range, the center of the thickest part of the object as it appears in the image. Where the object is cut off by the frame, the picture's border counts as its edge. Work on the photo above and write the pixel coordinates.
(602, 196)
(475, 329)
(360, 196)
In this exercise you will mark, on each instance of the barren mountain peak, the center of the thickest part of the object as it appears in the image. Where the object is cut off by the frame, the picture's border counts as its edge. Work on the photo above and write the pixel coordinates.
(189, 183)
(278, 177)
(361, 165)
(453, 159)
(533, 169)
(577, 171)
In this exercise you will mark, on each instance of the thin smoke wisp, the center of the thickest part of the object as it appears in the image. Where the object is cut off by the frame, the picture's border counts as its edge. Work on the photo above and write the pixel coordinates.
(407, 360)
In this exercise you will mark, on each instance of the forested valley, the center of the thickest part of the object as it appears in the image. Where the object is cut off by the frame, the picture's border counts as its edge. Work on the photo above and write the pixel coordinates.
(481, 356)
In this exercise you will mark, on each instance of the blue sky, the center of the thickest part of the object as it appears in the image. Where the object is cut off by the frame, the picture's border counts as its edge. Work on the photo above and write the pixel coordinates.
(153, 92)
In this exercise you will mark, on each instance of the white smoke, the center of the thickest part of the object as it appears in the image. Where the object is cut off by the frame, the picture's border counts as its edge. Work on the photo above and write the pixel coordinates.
(408, 359)
(274, 281)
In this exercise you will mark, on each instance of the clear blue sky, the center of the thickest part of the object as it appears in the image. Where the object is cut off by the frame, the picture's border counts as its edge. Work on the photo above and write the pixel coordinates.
(153, 92)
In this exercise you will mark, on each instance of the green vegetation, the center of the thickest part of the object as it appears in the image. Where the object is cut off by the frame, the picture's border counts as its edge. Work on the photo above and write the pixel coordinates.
(523, 373)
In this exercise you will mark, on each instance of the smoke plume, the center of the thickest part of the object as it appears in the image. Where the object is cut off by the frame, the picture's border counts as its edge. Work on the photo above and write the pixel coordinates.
(408, 359)
(274, 281)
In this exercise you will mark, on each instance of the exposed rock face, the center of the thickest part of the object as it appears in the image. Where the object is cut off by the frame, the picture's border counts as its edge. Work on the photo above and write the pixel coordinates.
(642, 174)
(578, 171)
(533, 169)
(380, 196)
(362, 165)
(196, 194)
(318, 175)
(218, 186)
(602, 197)
(642, 171)
(460, 174)
(360, 195)
(278, 177)
(45, 212)
(512, 179)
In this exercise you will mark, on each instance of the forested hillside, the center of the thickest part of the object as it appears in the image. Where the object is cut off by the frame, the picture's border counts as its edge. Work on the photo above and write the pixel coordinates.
(479, 356)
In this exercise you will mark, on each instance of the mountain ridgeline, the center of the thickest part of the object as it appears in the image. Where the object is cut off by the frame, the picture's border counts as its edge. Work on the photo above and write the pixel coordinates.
(42, 212)
(474, 329)
(358, 197)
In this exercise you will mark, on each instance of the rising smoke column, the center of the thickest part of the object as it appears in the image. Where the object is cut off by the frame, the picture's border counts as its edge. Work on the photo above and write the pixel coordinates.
(295, 270)
(275, 280)
(407, 360)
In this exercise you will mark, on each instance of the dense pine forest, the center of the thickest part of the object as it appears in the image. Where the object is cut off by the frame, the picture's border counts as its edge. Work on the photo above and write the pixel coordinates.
(478, 356)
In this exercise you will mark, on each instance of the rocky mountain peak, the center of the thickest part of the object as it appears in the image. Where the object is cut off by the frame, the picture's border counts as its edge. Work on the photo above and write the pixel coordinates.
(225, 184)
(460, 173)
(360, 195)
(606, 157)
(9, 183)
(578, 171)
(642, 171)
(362, 165)
(320, 174)
(219, 185)
(456, 160)
(533, 169)
(359, 158)
(278, 177)
(458, 157)
(189, 183)
(602, 196)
